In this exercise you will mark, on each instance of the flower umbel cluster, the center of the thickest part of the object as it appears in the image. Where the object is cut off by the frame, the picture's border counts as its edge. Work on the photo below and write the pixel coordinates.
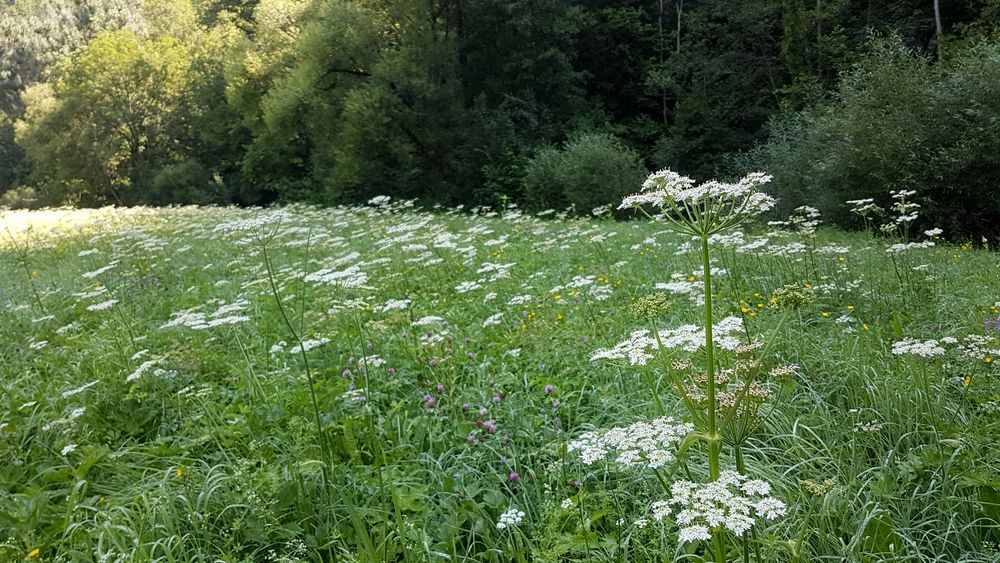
(922, 348)
(510, 518)
(906, 212)
(805, 220)
(636, 349)
(351, 277)
(980, 347)
(707, 208)
(254, 223)
(733, 502)
(647, 444)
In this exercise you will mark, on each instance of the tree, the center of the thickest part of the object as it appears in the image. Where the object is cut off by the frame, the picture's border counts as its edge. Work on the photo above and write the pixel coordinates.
(12, 163)
(111, 117)
(369, 104)
(899, 121)
(275, 156)
(34, 34)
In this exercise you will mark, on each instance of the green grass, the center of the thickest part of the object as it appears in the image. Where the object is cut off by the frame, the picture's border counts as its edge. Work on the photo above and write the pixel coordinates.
(211, 453)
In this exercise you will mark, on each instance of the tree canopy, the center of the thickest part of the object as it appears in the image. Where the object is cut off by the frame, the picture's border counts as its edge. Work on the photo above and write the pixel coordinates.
(450, 101)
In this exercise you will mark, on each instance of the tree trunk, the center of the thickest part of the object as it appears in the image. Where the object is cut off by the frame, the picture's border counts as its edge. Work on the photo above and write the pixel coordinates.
(680, 11)
(663, 90)
(939, 29)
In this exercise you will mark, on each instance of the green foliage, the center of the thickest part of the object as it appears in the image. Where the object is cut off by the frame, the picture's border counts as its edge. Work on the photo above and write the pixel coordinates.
(332, 101)
(716, 83)
(186, 182)
(210, 452)
(112, 116)
(12, 164)
(898, 123)
(36, 34)
(591, 170)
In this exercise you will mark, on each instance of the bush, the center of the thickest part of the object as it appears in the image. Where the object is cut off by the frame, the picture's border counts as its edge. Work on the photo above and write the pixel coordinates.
(186, 182)
(24, 197)
(593, 169)
(13, 168)
(898, 122)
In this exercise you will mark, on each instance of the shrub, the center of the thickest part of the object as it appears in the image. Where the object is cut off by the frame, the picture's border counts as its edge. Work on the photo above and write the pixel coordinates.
(186, 182)
(898, 122)
(591, 170)
(23, 197)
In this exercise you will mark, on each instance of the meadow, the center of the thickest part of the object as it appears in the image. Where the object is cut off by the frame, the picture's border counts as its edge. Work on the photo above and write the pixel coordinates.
(388, 383)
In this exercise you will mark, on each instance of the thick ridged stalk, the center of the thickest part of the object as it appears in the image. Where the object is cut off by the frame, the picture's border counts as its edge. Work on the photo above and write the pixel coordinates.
(712, 435)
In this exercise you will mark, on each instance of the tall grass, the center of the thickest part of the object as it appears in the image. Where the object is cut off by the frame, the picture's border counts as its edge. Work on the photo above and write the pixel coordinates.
(215, 450)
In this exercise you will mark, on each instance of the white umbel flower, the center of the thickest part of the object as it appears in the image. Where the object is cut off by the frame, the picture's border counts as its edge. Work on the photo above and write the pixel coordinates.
(351, 277)
(393, 305)
(922, 348)
(510, 518)
(645, 444)
(102, 305)
(638, 348)
(253, 223)
(719, 205)
(733, 502)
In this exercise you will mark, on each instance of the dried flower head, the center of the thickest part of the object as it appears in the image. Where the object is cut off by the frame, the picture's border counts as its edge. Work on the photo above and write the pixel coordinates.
(784, 371)
(748, 347)
(818, 488)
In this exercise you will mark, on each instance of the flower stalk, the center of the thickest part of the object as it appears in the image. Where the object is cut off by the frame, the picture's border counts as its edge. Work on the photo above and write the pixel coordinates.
(712, 437)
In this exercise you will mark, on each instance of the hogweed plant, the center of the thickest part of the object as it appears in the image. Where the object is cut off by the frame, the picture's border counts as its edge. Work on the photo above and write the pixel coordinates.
(724, 403)
(262, 230)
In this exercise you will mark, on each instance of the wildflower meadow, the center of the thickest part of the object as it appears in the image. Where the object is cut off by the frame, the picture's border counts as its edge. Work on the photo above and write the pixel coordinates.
(679, 376)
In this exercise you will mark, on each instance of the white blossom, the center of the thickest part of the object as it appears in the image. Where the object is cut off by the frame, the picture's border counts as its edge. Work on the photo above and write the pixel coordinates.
(307, 345)
(510, 518)
(467, 286)
(493, 320)
(393, 305)
(351, 277)
(253, 223)
(143, 368)
(671, 192)
(903, 247)
(733, 502)
(100, 271)
(102, 306)
(924, 348)
(78, 390)
(647, 444)
(638, 348)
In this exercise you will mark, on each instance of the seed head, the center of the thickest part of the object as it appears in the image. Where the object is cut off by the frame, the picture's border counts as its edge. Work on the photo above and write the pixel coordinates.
(793, 296)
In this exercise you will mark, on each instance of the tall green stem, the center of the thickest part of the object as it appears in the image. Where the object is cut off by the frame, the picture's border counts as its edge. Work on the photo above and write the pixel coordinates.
(320, 436)
(713, 437)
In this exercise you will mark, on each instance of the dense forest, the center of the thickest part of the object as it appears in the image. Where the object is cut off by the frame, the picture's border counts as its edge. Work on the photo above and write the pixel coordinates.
(546, 103)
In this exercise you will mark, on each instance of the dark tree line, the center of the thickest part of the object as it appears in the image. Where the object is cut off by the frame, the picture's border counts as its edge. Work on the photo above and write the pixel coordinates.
(450, 101)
